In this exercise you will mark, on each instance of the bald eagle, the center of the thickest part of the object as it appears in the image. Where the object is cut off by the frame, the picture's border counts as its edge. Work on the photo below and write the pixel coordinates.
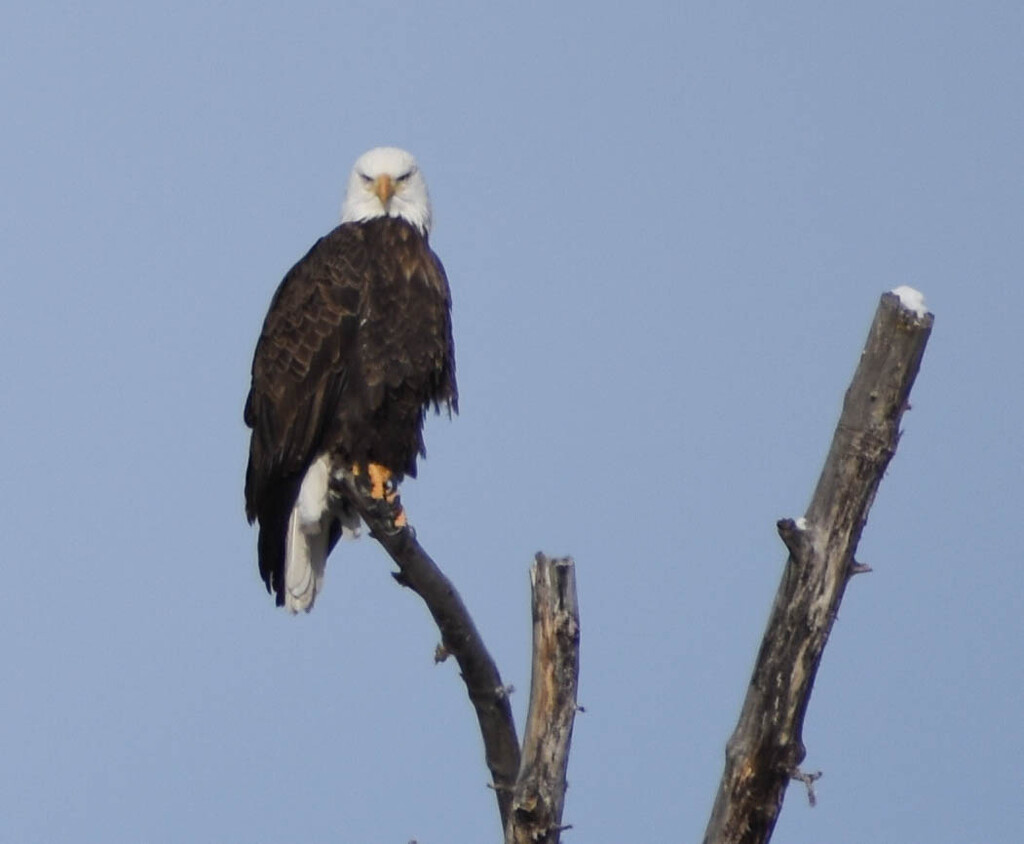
(355, 348)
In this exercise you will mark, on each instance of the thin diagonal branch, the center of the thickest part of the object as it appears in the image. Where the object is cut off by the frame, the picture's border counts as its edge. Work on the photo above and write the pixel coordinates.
(459, 637)
(766, 748)
(540, 790)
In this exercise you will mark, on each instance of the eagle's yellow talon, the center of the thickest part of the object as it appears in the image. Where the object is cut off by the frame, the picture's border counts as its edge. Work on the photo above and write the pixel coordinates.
(380, 476)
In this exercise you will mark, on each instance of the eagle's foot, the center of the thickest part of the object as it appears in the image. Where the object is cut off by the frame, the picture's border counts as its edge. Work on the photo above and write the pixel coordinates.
(377, 482)
(380, 482)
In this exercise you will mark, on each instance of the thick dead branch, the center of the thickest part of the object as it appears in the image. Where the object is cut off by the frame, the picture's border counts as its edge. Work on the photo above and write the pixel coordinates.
(766, 748)
(459, 637)
(540, 789)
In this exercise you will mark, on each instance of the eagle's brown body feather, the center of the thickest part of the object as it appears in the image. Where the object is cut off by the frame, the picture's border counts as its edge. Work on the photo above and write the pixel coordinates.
(357, 344)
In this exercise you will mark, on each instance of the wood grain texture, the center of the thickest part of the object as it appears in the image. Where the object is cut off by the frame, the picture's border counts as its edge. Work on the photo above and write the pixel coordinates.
(766, 747)
(540, 788)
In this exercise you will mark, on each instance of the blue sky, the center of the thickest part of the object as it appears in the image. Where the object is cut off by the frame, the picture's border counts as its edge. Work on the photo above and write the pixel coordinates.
(666, 230)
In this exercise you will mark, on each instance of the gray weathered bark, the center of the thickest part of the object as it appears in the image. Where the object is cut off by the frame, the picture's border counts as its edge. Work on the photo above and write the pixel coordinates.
(766, 748)
(530, 796)
(540, 789)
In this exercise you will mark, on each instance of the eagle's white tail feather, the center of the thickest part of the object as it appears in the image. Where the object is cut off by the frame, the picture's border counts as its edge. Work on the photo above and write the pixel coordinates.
(305, 561)
(306, 544)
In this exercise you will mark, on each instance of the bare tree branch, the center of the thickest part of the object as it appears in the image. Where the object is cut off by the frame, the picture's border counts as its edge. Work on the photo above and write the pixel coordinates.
(459, 637)
(766, 748)
(540, 790)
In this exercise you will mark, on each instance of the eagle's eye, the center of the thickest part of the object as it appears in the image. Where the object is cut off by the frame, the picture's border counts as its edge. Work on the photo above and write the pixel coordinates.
(366, 179)
(404, 177)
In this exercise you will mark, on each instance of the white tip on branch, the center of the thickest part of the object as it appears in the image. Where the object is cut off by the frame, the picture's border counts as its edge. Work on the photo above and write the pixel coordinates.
(912, 300)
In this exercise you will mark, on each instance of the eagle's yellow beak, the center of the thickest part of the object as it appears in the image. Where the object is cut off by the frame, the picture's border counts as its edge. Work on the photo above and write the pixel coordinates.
(384, 188)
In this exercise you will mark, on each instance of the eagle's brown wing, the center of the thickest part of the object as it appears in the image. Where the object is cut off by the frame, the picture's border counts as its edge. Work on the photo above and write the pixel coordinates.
(303, 359)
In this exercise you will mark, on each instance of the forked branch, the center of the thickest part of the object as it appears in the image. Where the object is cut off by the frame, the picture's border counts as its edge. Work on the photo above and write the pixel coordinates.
(530, 796)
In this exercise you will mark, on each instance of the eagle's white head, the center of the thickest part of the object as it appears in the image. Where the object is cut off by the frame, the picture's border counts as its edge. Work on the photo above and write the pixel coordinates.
(387, 182)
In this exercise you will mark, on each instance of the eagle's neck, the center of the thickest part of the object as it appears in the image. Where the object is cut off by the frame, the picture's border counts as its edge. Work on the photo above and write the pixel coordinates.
(362, 209)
